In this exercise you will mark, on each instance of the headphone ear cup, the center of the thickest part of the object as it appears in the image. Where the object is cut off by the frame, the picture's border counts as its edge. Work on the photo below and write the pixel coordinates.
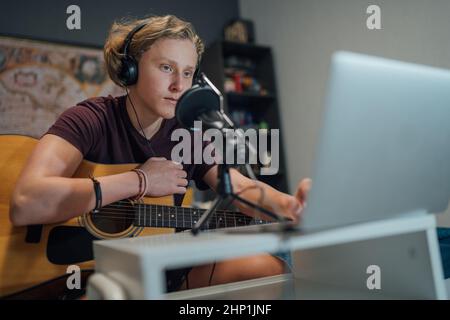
(129, 71)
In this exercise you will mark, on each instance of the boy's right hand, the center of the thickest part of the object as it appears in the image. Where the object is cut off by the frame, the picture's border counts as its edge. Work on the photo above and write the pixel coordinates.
(165, 177)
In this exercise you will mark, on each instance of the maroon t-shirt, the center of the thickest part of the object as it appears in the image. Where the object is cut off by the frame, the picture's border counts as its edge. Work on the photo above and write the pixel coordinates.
(102, 130)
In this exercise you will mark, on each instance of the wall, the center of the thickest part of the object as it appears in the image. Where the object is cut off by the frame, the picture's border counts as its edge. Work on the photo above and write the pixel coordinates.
(304, 34)
(47, 19)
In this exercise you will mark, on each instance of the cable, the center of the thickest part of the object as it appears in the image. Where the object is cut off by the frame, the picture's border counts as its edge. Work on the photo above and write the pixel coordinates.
(250, 172)
(212, 272)
(261, 197)
(187, 281)
(140, 126)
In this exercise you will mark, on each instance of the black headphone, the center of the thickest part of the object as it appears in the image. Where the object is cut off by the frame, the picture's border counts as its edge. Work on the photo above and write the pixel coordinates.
(128, 74)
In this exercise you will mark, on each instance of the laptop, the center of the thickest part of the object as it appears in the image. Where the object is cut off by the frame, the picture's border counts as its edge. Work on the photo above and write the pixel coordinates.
(384, 145)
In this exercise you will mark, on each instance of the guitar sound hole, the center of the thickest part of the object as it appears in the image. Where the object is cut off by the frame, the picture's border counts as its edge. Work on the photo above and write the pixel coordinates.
(114, 218)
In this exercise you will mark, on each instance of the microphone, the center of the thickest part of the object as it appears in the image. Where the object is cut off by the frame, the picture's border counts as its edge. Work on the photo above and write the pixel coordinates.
(202, 102)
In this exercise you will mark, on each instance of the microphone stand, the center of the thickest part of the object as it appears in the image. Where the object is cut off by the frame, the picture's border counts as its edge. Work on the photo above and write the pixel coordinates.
(224, 193)
(224, 188)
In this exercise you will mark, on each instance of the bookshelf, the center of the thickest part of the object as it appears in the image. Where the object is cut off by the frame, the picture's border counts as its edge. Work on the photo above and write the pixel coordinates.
(244, 73)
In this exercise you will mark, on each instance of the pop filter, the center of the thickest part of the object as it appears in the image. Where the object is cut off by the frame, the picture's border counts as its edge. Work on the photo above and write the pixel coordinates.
(203, 102)
(195, 102)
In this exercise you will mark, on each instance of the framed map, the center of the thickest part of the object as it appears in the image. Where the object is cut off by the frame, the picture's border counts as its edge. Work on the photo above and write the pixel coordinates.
(39, 80)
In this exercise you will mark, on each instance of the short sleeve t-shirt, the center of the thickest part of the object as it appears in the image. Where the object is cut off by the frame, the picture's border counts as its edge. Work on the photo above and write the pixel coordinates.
(102, 130)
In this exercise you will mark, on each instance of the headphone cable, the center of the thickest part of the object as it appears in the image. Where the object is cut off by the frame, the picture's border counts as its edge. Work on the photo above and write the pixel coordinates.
(137, 118)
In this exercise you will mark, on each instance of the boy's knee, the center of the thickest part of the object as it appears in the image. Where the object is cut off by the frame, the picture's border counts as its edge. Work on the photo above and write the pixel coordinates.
(270, 265)
(261, 266)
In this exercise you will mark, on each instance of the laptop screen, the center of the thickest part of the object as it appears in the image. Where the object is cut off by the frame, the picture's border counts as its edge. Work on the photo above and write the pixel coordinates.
(384, 148)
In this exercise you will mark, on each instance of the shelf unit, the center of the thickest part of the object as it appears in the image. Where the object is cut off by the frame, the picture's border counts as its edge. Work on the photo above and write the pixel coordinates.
(244, 73)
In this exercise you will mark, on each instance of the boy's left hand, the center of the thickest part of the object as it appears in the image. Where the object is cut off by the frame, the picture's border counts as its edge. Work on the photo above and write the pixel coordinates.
(293, 206)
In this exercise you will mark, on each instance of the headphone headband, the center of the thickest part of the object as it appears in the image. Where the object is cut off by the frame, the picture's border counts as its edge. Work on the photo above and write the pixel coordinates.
(130, 35)
(128, 74)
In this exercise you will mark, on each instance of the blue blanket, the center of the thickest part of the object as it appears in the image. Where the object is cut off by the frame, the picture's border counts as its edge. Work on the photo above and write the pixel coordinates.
(444, 245)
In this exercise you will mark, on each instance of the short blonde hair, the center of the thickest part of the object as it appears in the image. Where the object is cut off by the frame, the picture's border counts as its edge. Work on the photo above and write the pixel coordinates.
(156, 27)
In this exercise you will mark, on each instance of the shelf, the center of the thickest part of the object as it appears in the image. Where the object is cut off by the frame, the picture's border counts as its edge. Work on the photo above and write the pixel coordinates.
(244, 49)
(248, 99)
(248, 95)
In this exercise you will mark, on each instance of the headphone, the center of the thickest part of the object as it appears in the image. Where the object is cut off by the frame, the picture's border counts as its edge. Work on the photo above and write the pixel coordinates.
(128, 74)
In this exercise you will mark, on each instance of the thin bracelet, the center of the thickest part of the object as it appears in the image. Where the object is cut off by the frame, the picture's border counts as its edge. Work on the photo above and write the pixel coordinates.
(98, 195)
(142, 188)
(144, 174)
(138, 195)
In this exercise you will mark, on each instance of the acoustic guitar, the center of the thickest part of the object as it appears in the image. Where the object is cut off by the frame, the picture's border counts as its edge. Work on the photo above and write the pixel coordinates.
(35, 254)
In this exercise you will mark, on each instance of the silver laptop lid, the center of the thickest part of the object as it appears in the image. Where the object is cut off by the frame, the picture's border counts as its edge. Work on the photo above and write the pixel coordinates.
(384, 148)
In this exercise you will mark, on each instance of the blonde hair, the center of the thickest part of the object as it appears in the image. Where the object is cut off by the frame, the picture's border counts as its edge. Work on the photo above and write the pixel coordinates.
(156, 27)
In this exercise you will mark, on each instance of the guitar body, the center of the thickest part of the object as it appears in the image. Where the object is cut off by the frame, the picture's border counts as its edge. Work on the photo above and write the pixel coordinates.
(32, 255)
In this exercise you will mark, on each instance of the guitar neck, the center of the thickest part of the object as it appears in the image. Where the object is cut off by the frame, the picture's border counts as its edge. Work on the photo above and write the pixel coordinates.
(161, 216)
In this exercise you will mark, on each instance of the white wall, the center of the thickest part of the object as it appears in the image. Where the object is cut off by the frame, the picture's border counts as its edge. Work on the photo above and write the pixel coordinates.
(304, 33)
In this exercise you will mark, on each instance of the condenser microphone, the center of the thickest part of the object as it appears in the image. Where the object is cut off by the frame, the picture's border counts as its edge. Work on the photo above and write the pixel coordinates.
(202, 102)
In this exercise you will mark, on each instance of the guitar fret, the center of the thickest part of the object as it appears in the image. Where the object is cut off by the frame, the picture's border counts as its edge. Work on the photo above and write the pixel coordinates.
(217, 222)
(192, 218)
(167, 212)
(149, 217)
(224, 220)
(144, 217)
(139, 214)
(182, 209)
(174, 216)
(159, 216)
(167, 215)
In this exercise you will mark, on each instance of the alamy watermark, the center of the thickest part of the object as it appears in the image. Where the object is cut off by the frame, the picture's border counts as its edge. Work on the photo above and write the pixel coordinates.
(74, 280)
(73, 21)
(209, 147)
(374, 280)
(373, 21)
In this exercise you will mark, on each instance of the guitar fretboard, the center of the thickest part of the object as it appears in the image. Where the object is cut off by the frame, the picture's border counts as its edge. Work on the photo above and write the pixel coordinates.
(185, 218)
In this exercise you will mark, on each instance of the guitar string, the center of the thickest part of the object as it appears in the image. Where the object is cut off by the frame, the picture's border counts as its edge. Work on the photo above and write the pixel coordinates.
(166, 210)
(229, 217)
(165, 207)
(170, 210)
(154, 218)
(155, 222)
(119, 213)
(127, 205)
